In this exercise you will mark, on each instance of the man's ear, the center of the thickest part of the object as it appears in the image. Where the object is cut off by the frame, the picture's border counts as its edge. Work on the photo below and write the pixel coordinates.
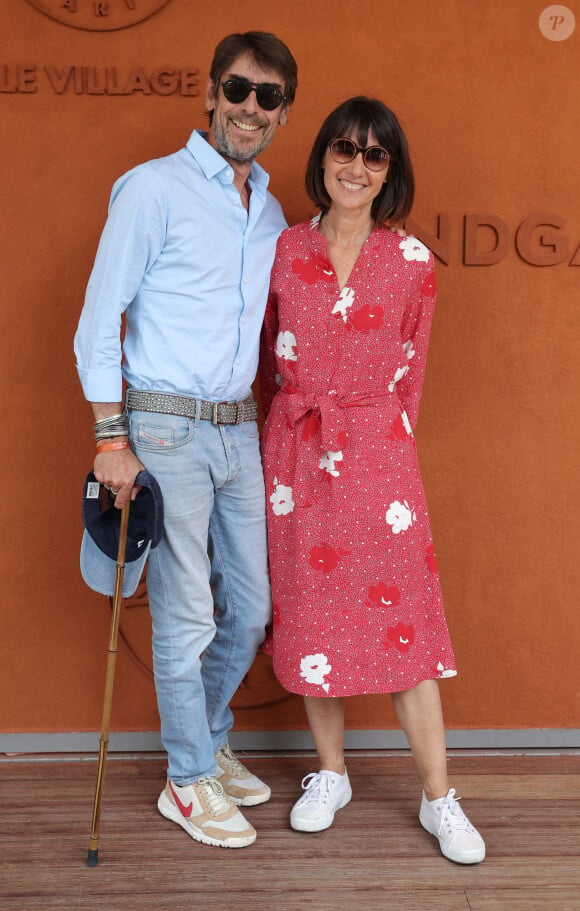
(284, 115)
(210, 95)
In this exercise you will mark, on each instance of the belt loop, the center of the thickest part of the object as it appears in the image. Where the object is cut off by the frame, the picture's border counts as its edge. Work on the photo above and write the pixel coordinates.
(197, 412)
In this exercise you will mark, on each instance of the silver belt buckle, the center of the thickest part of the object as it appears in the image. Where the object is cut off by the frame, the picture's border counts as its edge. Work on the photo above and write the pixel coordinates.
(215, 416)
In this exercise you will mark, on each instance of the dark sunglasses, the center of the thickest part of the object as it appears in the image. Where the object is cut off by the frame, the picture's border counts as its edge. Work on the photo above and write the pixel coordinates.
(268, 96)
(375, 158)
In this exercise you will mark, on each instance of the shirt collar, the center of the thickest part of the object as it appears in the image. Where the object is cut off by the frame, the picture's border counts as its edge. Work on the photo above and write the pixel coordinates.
(212, 163)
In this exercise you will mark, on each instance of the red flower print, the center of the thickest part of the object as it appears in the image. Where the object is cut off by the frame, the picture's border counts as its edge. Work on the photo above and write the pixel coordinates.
(398, 429)
(384, 595)
(367, 318)
(431, 559)
(313, 270)
(429, 286)
(325, 557)
(311, 426)
(401, 636)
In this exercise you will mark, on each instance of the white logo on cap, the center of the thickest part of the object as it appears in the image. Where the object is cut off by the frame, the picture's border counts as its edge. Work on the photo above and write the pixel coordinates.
(93, 490)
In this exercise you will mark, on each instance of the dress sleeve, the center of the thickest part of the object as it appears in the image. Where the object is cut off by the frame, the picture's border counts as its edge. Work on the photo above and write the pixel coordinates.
(268, 368)
(415, 329)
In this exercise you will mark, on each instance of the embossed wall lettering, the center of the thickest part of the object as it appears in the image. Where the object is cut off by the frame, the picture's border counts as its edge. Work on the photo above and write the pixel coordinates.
(99, 15)
(539, 239)
(99, 80)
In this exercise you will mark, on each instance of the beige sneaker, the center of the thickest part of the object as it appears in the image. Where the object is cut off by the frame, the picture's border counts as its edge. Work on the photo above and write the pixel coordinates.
(238, 782)
(206, 813)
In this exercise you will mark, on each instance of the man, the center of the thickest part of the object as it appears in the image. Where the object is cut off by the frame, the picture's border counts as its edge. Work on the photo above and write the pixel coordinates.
(186, 254)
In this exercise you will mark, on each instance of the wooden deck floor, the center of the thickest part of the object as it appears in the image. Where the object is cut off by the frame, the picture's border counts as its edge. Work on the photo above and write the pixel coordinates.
(375, 857)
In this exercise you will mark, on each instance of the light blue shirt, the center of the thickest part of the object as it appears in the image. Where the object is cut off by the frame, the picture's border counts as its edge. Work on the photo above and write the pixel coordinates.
(190, 268)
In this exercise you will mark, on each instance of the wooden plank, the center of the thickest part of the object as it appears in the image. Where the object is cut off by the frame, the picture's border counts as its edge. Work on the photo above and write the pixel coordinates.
(547, 898)
(376, 857)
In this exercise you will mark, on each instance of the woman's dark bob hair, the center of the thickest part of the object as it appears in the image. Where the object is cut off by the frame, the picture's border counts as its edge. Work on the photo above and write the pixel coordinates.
(359, 116)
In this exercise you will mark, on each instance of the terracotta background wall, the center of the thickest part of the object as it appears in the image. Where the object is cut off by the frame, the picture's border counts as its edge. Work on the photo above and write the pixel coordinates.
(491, 111)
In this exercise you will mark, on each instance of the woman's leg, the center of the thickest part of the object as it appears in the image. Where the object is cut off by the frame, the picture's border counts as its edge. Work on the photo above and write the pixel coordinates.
(328, 790)
(326, 719)
(421, 717)
(419, 712)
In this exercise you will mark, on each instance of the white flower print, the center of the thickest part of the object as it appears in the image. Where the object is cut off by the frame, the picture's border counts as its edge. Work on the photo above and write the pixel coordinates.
(406, 422)
(314, 669)
(328, 461)
(443, 672)
(278, 379)
(285, 345)
(400, 516)
(281, 499)
(409, 350)
(401, 371)
(344, 303)
(413, 249)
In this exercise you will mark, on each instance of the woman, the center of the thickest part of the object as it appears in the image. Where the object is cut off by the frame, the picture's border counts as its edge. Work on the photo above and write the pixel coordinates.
(357, 603)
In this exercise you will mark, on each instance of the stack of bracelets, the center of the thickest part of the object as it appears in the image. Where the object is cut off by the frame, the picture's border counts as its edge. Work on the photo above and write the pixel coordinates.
(117, 425)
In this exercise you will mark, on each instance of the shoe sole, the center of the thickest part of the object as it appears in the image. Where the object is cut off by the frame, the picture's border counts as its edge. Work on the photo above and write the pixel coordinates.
(312, 825)
(475, 858)
(169, 811)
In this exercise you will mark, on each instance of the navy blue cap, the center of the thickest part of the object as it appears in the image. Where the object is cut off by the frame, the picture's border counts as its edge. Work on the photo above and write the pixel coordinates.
(102, 523)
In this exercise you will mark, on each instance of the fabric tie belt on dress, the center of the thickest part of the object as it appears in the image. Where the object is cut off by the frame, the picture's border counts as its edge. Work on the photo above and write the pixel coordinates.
(216, 412)
(324, 411)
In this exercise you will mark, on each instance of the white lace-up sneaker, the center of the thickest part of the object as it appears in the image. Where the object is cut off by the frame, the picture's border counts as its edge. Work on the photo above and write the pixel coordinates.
(324, 793)
(458, 839)
(240, 785)
(206, 813)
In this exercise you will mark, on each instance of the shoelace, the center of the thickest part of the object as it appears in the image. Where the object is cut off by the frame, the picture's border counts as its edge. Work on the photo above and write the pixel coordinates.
(450, 808)
(214, 794)
(232, 762)
(316, 788)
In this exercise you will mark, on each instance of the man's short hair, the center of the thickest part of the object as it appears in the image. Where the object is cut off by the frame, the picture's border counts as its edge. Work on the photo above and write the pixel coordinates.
(265, 49)
(361, 115)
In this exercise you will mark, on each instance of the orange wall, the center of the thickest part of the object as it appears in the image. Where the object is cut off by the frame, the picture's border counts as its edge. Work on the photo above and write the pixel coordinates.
(490, 108)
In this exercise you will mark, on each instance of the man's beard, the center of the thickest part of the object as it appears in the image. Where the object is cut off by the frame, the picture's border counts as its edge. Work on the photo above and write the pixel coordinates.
(232, 152)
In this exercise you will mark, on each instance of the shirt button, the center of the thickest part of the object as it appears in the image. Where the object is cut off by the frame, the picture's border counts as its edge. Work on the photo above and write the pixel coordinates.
(245, 281)
(238, 362)
(244, 319)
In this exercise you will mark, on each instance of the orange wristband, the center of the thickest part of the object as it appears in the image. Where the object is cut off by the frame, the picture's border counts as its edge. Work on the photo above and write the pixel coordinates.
(107, 447)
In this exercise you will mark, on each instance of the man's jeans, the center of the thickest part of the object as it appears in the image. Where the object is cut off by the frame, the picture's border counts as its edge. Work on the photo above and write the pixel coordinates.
(213, 554)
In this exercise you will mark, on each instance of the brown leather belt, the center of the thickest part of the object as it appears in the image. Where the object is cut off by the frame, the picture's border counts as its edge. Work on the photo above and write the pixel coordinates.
(216, 412)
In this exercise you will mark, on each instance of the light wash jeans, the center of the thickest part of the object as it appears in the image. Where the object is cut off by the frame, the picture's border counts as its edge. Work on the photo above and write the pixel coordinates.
(207, 580)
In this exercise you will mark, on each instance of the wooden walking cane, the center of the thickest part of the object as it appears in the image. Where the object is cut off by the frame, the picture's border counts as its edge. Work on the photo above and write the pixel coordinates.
(93, 855)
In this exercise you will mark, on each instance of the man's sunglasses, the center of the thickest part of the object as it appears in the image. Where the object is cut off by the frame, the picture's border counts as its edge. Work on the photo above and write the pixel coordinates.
(375, 158)
(268, 96)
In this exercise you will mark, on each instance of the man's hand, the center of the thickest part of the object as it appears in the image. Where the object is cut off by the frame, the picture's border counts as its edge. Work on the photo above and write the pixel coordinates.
(117, 470)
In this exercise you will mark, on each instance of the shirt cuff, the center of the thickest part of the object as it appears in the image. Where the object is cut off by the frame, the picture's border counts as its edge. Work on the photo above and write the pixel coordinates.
(101, 384)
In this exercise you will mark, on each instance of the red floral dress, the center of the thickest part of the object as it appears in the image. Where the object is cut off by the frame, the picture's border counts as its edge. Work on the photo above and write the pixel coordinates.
(357, 604)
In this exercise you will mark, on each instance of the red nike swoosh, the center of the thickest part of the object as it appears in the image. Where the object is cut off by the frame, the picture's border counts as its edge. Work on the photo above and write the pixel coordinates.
(185, 811)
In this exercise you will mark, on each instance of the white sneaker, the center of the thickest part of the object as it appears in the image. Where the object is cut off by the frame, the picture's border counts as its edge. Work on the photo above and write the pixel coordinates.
(240, 785)
(206, 813)
(324, 793)
(458, 839)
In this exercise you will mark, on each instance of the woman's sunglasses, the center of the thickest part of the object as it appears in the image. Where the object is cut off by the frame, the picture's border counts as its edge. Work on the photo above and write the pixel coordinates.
(268, 96)
(375, 158)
